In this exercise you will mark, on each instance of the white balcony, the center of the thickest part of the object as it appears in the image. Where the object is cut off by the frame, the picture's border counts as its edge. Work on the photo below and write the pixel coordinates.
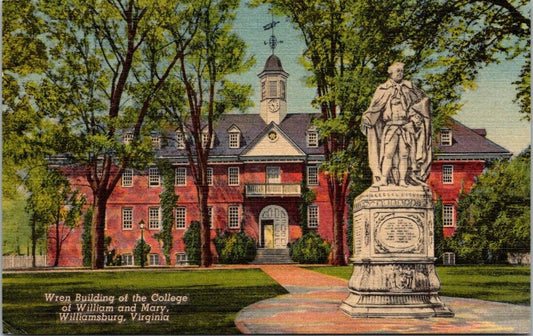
(273, 190)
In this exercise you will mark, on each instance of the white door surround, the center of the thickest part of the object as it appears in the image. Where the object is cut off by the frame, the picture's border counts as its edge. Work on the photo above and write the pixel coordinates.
(280, 219)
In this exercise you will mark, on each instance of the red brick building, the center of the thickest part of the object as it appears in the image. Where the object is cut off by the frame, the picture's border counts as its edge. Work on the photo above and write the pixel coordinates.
(256, 168)
(461, 154)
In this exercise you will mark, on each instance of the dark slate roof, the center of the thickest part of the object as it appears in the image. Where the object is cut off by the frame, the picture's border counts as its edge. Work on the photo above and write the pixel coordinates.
(468, 143)
(273, 63)
(251, 126)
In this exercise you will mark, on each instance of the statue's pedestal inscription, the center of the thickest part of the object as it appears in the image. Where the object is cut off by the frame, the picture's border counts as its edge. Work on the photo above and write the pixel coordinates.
(394, 273)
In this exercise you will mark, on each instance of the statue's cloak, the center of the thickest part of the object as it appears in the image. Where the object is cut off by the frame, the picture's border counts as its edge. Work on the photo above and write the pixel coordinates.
(418, 110)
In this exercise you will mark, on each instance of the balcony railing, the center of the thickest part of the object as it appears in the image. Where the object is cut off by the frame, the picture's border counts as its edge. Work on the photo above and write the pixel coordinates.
(271, 189)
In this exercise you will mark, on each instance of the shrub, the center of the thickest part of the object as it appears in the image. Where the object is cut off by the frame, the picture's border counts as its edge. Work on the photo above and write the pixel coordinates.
(110, 255)
(310, 249)
(140, 251)
(235, 248)
(191, 238)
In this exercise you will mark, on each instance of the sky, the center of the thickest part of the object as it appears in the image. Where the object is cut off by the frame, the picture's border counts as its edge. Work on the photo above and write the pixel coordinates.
(490, 105)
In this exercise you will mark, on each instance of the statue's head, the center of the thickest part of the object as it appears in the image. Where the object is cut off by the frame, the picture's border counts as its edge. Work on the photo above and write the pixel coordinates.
(396, 71)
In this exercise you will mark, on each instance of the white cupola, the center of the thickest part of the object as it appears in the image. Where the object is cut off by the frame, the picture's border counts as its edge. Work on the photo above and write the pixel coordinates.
(273, 81)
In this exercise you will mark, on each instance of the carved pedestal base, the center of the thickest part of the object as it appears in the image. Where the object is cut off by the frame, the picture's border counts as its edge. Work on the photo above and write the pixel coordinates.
(394, 273)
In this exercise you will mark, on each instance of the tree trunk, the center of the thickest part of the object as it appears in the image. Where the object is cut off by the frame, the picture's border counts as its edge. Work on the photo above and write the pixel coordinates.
(98, 231)
(56, 262)
(33, 241)
(205, 228)
(338, 257)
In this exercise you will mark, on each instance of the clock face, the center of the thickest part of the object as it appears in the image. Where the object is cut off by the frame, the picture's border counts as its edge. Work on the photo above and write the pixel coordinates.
(273, 105)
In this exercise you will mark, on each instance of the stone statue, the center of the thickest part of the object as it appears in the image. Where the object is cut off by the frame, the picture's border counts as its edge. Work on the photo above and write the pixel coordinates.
(393, 258)
(398, 128)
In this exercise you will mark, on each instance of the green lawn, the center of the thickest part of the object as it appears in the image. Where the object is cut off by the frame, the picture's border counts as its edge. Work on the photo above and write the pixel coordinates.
(215, 297)
(485, 282)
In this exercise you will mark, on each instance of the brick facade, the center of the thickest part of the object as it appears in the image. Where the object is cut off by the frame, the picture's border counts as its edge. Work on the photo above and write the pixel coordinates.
(268, 158)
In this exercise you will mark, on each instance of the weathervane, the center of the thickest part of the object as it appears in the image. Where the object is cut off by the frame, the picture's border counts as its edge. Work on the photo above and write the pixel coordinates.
(272, 41)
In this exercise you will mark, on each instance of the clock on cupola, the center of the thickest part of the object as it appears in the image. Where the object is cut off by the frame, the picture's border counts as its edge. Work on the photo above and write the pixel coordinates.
(273, 79)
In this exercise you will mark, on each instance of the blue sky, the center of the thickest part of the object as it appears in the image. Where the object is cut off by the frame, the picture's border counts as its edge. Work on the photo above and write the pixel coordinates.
(490, 105)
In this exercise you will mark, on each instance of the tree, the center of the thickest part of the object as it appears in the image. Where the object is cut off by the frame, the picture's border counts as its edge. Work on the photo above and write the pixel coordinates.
(210, 56)
(108, 62)
(23, 53)
(494, 218)
(350, 43)
(52, 203)
(346, 52)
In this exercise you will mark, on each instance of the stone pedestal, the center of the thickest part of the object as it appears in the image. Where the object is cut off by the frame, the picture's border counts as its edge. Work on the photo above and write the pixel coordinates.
(394, 273)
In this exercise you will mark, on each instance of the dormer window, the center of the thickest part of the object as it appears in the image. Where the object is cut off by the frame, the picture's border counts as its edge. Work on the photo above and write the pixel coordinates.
(312, 138)
(128, 138)
(156, 142)
(234, 137)
(205, 136)
(446, 137)
(180, 140)
(234, 140)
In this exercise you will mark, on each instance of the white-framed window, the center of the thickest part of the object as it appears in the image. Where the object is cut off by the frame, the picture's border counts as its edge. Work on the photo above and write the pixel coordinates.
(233, 176)
(127, 218)
(312, 216)
(128, 138)
(233, 217)
(446, 137)
(272, 88)
(154, 179)
(180, 140)
(154, 218)
(283, 90)
(127, 178)
(273, 175)
(447, 174)
(210, 215)
(234, 140)
(209, 176)
(127, 259)
(312, 175)
(448, 217)
(205, 136)
(180, 176)
(181, 218)
(312, 139)
(181, 258)
(156, 142)
(153, 259)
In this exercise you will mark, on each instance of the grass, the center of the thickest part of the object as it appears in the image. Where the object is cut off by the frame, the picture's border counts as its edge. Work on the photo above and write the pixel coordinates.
(485, 282)
(215, 298)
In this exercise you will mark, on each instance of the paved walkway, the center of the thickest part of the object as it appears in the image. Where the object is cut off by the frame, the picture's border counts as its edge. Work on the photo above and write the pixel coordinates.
(312, 307)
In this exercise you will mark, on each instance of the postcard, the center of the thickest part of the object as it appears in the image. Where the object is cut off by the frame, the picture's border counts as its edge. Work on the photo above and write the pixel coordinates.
(266, 167)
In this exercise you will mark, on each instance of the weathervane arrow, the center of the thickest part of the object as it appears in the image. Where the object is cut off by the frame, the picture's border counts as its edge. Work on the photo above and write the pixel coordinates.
(272, 41)
(270, 25)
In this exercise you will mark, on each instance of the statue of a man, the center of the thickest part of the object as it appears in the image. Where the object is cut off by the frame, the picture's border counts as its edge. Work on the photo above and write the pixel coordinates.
(398, 128)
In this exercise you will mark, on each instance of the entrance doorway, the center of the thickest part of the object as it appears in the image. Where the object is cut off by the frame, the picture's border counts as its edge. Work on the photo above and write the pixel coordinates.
(274, 231)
